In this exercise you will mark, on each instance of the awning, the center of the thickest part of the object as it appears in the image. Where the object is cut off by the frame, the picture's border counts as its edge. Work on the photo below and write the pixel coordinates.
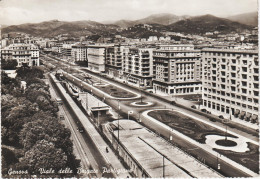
(237, 112)
(248, 115)
(254, 117)
(241, 116)
(243, 113)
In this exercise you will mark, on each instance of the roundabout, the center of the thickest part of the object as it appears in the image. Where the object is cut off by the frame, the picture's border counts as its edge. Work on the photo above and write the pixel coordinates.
(140, 104)
(231, 144)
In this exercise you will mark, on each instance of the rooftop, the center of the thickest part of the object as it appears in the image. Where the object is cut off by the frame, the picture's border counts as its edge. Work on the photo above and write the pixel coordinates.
(141, 143)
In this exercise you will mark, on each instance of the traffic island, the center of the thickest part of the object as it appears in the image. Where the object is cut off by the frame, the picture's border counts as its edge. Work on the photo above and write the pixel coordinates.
(141, 104)
(115, 92)
(100, 84)
(192, 128)
(249, 159)
(244, 152)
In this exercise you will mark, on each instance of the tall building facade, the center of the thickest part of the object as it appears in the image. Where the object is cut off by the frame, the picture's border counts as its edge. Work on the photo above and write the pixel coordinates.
(177, 70)
(79, 53)
(27, 54)
(66, 51)
(113, 61)
(137, 66)
(96, 57)
(231, 83)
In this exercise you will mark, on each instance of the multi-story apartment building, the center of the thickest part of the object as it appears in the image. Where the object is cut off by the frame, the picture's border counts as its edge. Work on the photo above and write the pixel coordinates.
(96, 57)
(113, 61)
(137, 65)
(79, 53)
(66, 51)
(23, 53)
(231, 83)
(177, 70)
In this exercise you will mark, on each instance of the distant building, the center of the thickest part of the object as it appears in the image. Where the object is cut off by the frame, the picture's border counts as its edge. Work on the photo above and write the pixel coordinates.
(177, 70)
(231, 83)
(78, 52)
(23, 53)
(152, 38)
(137, 66)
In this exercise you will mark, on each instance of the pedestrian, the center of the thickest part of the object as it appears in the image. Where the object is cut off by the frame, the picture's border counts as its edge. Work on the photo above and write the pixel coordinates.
(106, 149)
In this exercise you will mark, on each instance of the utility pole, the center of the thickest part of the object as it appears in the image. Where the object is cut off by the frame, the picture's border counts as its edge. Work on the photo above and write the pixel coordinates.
(163, 168)
(118, 125)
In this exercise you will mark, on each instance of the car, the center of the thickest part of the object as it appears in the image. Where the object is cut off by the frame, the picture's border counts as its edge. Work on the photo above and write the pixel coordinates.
(193, 106)
(173, 102)
(203, 110)
(62, 117)
(213, 119)
(81, 129)
(221, 117)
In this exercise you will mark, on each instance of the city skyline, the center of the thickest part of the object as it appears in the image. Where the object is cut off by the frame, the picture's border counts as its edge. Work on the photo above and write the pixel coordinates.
(14, 12)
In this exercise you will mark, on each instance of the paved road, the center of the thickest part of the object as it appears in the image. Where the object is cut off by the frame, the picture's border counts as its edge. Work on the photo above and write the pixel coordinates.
(80, 149)
(226, 169)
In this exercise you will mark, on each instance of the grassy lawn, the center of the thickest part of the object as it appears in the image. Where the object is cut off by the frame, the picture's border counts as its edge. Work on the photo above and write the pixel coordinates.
(249, 159)
(141, 103)
(198, 130)
(109, 89)
(189, 127)
(116, 92)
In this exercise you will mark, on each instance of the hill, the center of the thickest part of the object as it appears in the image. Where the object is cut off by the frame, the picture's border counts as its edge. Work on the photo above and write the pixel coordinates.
(132, 29)
(162, 19)
(247, 18)
(55, 27)
(207, 23)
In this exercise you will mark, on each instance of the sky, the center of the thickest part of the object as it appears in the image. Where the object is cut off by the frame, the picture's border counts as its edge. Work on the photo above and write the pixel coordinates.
(13, 12)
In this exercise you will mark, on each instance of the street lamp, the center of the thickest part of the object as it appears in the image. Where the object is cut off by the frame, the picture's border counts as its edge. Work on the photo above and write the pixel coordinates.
(128, 114)
(140, 90)
(218, 164)
(118, 124)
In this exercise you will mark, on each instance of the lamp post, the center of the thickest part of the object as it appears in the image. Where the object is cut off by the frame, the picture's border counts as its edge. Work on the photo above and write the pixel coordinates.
(163, 168)
(118, 124)
(140, 90)
(218, 164)
(128, 114)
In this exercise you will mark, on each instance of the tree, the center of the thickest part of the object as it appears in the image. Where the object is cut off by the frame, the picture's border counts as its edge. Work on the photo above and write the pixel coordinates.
(8, 64)
(26, 73)
(44, 154)
(48, 129)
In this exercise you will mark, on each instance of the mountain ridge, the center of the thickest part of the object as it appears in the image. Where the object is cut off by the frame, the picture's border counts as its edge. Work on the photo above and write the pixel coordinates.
(187, 24)
(250, 18)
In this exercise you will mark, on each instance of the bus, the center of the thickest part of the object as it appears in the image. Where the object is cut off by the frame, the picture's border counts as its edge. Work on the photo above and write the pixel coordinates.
(58, 101)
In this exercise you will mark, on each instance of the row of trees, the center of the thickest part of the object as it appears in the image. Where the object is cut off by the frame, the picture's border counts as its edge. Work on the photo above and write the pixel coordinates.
(32, 135)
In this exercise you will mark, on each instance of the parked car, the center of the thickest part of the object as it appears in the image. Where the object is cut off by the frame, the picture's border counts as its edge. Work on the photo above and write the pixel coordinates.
(203, 110)
(221, 117)
(193, 106)
(81, 129)
(62, 117)
(173, 102)
(213, 119)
